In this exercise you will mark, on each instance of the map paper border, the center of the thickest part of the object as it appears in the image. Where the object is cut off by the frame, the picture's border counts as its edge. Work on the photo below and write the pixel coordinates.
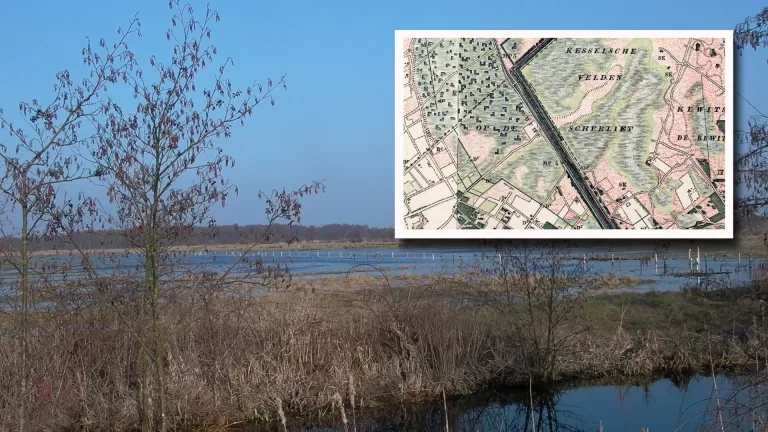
(401, 232)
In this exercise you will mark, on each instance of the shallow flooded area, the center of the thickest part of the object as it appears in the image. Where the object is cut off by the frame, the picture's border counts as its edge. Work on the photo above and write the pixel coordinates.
(665, 271)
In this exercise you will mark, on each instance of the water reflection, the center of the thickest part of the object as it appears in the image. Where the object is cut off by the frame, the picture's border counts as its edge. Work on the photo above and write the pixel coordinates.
(683, 405)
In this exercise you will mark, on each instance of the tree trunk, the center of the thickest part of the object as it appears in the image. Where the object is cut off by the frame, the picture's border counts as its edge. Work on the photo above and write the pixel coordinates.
(145, 406)
(24, 317)
(157, 339)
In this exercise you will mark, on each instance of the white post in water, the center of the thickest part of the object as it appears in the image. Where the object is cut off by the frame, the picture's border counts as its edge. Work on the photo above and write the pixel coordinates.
(656, 257)
(690, 262)
(739, 259)
(393, 254)
(698, 259)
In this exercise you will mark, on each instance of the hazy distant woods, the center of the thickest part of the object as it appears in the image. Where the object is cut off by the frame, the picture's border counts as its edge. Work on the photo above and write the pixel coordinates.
(227, 234)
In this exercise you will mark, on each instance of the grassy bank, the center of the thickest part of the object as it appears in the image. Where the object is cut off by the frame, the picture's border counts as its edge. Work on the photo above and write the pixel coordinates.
(240, 361)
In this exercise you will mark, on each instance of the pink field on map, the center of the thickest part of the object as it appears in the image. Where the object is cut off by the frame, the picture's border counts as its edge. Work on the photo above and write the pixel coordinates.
(478, 145)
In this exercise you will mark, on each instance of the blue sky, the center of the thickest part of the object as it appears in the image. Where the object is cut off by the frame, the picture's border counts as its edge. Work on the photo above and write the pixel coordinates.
(336, 121)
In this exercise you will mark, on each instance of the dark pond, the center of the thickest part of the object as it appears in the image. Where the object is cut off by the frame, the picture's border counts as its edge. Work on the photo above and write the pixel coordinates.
(663, 406)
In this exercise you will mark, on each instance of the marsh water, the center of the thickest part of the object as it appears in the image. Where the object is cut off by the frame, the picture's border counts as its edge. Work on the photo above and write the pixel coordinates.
(657, 270)
(697, 404)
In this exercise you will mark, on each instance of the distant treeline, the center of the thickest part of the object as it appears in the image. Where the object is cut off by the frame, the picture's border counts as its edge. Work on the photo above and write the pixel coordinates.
(751, 224)
(226, 234)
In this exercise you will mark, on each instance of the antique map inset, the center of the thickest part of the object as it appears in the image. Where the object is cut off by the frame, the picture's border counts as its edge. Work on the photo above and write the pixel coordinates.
(504, 135)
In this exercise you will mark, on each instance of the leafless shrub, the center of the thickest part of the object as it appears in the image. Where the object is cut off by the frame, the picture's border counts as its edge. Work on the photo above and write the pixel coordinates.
(538, 291)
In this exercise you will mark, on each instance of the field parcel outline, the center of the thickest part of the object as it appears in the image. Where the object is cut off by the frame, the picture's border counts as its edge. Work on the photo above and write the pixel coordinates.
(579, 134)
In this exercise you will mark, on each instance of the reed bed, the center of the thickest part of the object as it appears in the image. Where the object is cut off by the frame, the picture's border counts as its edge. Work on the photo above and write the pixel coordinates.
(303, 353)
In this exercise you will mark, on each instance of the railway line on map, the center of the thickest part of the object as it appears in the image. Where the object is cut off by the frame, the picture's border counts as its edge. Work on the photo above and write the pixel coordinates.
(548, 128)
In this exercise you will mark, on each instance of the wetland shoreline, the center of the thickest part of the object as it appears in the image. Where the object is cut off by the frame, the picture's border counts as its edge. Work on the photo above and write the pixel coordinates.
(411, 341)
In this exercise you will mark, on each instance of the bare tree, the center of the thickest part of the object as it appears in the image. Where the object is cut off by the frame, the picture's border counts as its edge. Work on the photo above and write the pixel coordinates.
(538, 291)
(40, 154)
(752, 164)
(163, 170)
(743, 406)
